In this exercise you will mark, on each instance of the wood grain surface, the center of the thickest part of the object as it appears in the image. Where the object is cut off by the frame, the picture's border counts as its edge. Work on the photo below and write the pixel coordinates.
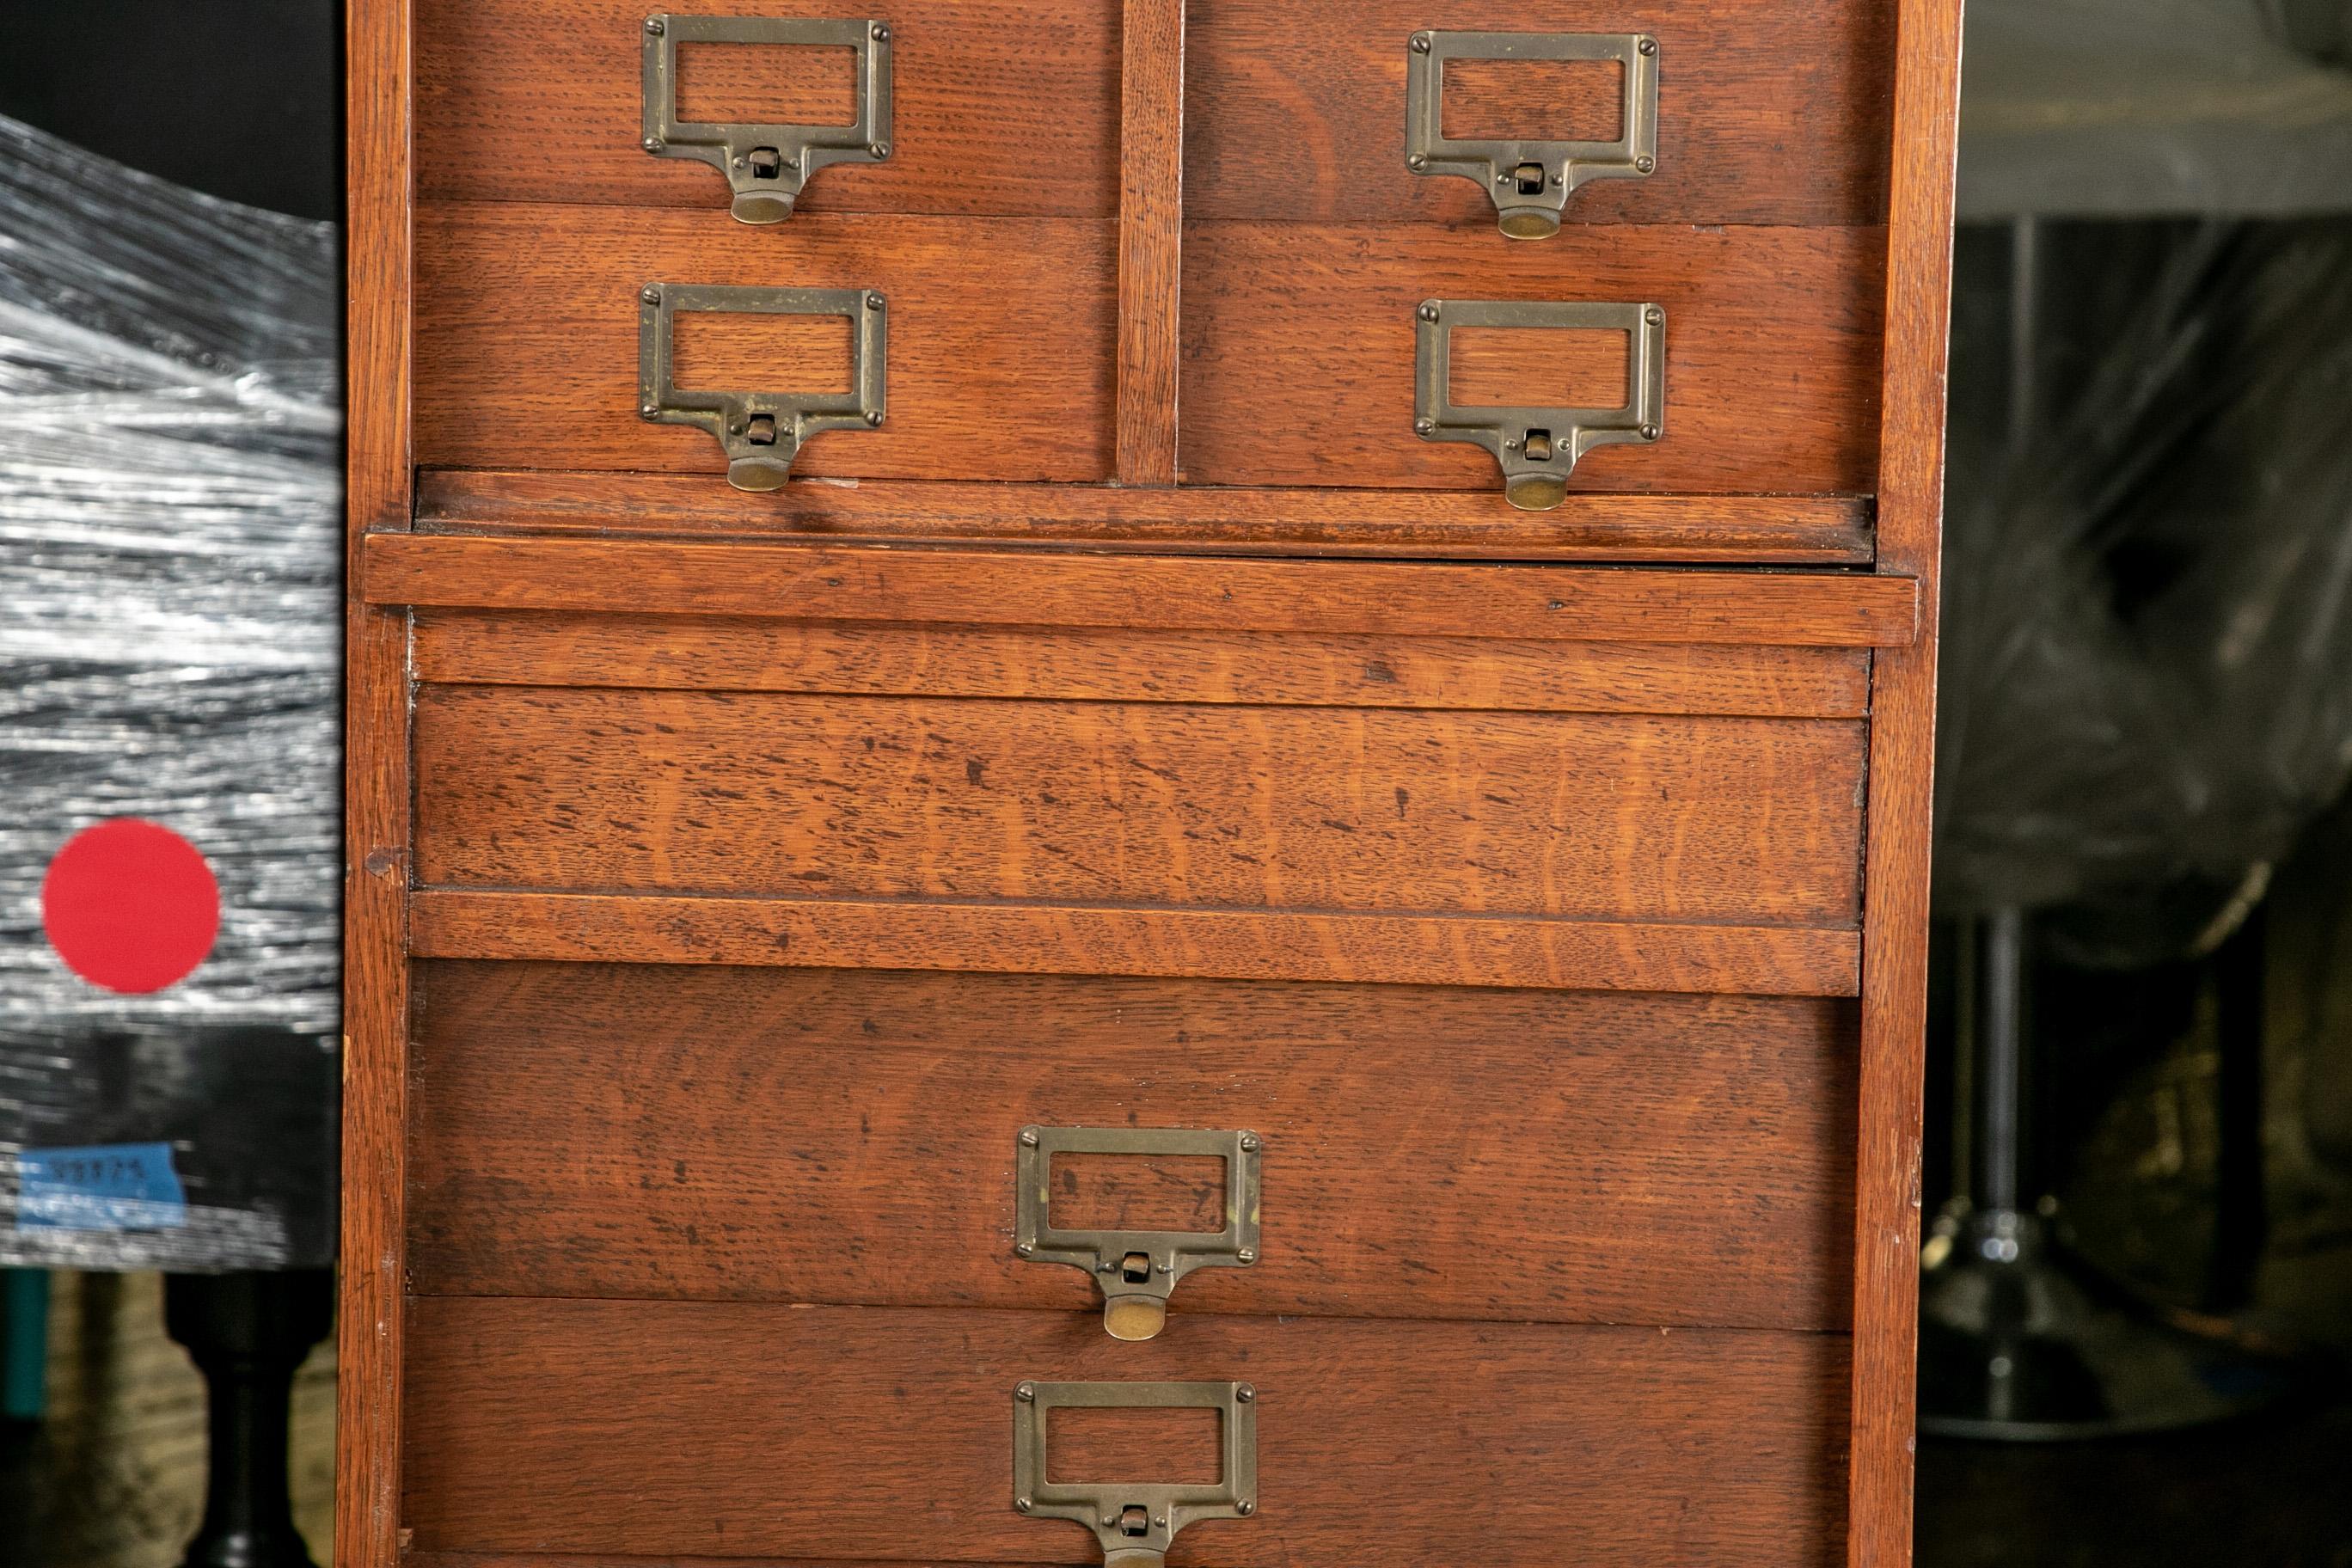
(696, 1429)
(1641, 817)
(762, 84)
(669, 653)
(1130, 1192)
(848, 1136)
(378, 470)
(1539, 101)
(1901, 761)
(1778, 529)
(965, 587)
(1091, 1446)
(1002, 109)
(1555, 367)
(1151, 237)
(1299, 340)
(1769, 113)
(1034, 938)
(999, 365)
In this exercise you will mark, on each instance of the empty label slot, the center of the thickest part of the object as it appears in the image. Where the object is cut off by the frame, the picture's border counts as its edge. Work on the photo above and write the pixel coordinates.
(1539, 367)
(1138, 1191)
(1536, 100)
(1146, 1447)
(766, 84)
(733, 351)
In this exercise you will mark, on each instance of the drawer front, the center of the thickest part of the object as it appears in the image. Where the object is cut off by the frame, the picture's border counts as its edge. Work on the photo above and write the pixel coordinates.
(677, 1431)
(998, 364)
(1767, 112)
(1299, 347)
(998, 110)
(849, 1136)
(1640, 818)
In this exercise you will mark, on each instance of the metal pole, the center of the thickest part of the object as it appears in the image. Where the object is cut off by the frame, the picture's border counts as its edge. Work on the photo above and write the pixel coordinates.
(2024, 329)
(1995, 1159)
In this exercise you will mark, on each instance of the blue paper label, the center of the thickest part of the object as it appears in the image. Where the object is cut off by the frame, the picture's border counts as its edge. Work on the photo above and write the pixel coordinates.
(106, 1186)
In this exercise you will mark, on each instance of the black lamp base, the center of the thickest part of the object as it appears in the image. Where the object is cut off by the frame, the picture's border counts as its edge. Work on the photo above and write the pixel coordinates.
(2021, 1340)
(248, 1333)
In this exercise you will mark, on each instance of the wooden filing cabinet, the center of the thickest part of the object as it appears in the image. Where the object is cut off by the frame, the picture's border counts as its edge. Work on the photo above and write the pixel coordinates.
(1255, 895)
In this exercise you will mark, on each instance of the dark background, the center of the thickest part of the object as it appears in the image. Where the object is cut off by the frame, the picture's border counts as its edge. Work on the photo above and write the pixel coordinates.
(241, 99)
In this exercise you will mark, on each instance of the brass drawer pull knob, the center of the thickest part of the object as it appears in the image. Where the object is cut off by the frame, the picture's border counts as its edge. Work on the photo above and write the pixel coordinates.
(1137, 1268)
(761, 432)
(1530, 180)
(1134, 1521)
(767, 165)
(1538, 447)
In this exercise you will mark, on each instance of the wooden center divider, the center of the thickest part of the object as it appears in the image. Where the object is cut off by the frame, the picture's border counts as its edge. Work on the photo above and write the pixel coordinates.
(1151, 237)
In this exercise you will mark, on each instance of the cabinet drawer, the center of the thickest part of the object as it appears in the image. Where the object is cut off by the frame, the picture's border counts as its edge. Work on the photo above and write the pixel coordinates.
(1767, 112)
(677, 1431)
(849, 1136)
(1003, 109)
(1121, 800)
(1299, 347)
(998, 367)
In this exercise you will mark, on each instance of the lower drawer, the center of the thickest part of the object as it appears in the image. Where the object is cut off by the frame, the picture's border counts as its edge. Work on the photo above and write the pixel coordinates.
(848, 1136)
(674, 1431)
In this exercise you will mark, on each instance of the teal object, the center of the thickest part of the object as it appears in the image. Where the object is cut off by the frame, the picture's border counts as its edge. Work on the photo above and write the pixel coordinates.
(23, 1344)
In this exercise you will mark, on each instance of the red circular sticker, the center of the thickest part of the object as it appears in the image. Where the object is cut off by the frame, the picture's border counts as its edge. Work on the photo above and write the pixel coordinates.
(131, 905)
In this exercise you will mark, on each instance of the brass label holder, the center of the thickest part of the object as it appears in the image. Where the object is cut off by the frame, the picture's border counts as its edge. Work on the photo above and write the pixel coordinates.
(1135, 1520)
(767, 165)
(761, 432)
(1137, 1268)
(1539, 448)
(1530, 180)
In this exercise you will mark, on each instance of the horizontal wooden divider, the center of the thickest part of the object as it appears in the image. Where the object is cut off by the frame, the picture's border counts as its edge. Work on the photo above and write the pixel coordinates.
(982, 588)
(1052, 938)
(1762, 529)
(746, 653)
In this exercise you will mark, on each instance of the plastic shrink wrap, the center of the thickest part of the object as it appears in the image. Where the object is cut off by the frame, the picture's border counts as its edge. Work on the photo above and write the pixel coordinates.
(2147, 686)
(170, 653)
(2152, 108)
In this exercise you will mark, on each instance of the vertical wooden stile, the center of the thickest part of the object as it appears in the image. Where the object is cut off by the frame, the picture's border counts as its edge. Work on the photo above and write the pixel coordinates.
(379, 486)
(1901, 765)
(1151, 237)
